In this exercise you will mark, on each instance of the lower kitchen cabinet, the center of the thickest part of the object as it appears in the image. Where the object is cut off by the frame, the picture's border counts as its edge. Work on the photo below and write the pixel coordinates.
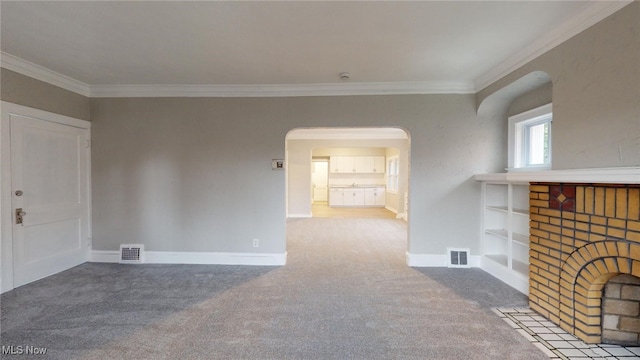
(357, 197)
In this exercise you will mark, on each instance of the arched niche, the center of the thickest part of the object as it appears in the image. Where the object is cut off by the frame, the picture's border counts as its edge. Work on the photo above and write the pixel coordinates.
(496, 104)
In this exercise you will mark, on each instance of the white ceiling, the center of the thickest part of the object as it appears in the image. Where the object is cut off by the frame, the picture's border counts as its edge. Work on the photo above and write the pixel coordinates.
(105, 48)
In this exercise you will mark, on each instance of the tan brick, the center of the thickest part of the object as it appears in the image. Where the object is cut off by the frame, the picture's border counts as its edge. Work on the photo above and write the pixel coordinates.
(582, 226)
(623, 249)
(583, 218)
(597, 229)
(599, 220)
(617, 233)
(621, 203)
(581, 235)
(633, 236)
(612, 249)
(623, 266)
(550, 228)
(633, 225)
(589, 200)
(539, 188)
(618, 223)
(601, 266)
(550, 212)
(596, 237)
(602, 248)
(634, 250)
(539, 203)
(539, 218)
(543, 196)
(610, 202)
(633, 204)
(611, 264)
(555, 221)
(599, 201)
(579, 199)
(567, 232)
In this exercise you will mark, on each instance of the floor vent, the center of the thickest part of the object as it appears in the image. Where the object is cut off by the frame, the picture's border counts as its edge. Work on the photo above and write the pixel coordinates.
(131, 253)
(458, 258)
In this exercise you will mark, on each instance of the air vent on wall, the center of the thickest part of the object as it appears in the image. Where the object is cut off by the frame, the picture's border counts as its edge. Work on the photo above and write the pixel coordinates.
(458, 258)
(131, 253)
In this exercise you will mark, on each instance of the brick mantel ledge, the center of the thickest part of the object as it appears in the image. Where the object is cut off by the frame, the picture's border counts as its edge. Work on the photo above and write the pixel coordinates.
(615, 175)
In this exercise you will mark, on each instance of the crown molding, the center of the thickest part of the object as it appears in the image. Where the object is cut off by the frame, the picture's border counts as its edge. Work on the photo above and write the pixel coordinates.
(21, 66)
(283, 90)
(595, 13)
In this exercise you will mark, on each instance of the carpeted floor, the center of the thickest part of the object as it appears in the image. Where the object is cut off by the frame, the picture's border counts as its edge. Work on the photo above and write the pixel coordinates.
(345, 293)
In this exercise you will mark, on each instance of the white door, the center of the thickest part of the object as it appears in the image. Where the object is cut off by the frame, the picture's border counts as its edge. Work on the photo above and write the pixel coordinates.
(49, 181)
(320, 179)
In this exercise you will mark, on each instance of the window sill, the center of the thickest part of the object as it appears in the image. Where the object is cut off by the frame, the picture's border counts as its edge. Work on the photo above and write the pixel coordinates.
(530, 168)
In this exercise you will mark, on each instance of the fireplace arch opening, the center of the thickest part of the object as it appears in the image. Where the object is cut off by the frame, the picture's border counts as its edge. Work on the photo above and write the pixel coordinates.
(621, 310)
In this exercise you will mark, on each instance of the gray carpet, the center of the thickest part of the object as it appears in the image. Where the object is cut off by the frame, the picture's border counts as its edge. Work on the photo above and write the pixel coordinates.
(345, 293)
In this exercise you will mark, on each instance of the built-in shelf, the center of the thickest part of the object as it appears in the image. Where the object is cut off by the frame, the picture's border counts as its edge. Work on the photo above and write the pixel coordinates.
(502, 233)
(505, 232)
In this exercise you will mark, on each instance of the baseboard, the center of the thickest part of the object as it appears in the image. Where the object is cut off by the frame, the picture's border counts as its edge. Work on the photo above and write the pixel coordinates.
(209, 258)
(437, 260)
(395, 211)
(299, 216)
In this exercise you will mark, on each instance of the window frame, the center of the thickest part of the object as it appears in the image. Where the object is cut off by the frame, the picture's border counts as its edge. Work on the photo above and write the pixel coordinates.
(393, 174)
(518, 139)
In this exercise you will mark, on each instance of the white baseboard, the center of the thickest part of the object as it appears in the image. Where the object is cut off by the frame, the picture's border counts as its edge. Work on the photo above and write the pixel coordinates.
(209, 258)
(299, 216)
(395, 211)
(437, 260)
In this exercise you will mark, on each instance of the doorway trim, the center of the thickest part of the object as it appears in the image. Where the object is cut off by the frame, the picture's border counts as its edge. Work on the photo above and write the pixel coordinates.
(6, 229)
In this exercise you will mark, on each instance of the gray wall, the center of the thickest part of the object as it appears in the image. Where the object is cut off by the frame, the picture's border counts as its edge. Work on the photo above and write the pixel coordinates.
(23, 90)
(596, 87)
(194, 174)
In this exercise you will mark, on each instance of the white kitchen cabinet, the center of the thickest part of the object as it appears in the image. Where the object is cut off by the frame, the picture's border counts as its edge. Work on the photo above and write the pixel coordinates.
(336, 197)
(357, 164)
(353, 197)
(374, 196)
(379, 164)
(341, 164)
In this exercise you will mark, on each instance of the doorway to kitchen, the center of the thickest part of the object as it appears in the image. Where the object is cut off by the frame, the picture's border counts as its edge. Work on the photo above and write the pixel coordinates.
(347, 172)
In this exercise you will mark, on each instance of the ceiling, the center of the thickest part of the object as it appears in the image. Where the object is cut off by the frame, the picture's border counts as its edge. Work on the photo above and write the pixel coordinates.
(107, 48)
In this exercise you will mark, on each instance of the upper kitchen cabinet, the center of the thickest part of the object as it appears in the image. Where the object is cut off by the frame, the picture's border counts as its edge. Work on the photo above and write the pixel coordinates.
(357, 164)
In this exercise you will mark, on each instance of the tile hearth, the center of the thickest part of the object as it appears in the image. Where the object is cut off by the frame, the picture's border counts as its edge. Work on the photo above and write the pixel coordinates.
(557, 343)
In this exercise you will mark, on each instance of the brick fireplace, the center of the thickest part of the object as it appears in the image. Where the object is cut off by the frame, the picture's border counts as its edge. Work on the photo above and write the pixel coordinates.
(581, 237)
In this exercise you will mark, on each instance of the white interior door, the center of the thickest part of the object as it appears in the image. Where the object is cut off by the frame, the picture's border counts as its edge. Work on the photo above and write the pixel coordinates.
(49, 181)
(320, 179)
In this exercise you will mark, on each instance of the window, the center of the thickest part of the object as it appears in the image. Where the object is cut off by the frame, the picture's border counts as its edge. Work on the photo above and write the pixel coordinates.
(392, 174)
(530, 139)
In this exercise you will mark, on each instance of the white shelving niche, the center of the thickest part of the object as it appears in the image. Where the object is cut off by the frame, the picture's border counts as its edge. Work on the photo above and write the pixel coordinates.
(505, 232)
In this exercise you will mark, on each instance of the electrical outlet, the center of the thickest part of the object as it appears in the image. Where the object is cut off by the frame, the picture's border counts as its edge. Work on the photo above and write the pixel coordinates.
(256, 242)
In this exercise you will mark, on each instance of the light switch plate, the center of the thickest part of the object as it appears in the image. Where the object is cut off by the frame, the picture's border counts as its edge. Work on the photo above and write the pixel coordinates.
(277, 164)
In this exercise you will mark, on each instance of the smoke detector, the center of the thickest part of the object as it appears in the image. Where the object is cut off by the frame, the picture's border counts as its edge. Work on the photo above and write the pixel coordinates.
(344, 76)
